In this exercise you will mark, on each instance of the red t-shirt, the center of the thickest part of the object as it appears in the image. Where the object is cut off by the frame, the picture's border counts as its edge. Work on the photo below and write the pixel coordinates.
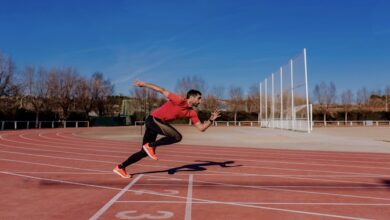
(177, 107)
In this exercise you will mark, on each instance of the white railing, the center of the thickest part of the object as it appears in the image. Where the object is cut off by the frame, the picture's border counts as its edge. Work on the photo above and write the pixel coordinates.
(221, 123)
(41, 124)
(367, 123)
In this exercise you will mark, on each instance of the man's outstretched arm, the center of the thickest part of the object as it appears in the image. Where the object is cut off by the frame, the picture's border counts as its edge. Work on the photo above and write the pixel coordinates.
(151, 86)
(203, 126)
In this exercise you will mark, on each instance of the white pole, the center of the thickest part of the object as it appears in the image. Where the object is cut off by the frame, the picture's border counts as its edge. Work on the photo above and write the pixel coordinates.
(292, 96)
(260, 107)
(266, 101)
(273, 101)
(307, 92)
(281, 97)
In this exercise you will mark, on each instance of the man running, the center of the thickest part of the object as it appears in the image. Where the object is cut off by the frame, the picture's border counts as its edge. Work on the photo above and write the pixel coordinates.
(158, 123)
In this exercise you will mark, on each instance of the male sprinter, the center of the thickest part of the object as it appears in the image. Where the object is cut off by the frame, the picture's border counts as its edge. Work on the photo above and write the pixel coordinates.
(158, 123)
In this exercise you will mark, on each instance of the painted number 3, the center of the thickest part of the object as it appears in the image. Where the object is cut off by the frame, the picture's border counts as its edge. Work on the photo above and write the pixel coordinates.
(133, 215)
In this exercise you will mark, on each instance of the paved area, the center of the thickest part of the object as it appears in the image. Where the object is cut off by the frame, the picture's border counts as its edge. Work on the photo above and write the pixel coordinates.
(355, 139)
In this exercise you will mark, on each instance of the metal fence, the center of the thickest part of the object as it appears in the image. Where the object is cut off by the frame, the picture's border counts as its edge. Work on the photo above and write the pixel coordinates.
(5, 125)
(284, 97)
(366, 123)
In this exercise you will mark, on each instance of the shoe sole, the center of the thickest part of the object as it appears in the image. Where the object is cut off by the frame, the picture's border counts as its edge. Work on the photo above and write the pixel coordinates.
(147, 152)
(119, 174)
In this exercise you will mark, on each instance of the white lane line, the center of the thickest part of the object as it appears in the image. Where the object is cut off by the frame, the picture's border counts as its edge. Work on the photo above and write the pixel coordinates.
(264, 203)
(101, 211)
(267, 161)
(204, 200)
(60, 181)
(189, 198)
(52, 165)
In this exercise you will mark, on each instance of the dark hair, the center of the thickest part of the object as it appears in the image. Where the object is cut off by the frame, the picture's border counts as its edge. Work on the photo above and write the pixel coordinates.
(193, 92)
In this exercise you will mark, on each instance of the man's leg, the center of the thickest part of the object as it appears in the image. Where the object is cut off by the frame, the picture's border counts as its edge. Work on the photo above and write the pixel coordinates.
(150, 135)
(171, 134)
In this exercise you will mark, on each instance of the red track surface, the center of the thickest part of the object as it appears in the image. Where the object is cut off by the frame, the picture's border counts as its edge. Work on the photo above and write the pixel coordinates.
(57, 174)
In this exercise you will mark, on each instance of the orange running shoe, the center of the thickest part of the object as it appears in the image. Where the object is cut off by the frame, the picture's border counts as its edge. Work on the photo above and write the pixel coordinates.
(121, 172)
(150, 151)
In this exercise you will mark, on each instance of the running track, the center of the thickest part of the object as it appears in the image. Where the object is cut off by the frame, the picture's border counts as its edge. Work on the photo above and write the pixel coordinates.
(58, 174)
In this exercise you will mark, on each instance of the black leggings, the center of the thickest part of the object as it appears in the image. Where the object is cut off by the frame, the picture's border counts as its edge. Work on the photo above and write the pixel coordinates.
(154, 127)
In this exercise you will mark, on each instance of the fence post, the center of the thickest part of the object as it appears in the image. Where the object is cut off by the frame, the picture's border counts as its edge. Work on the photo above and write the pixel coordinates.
(2, 125)
(88, 124)
(28, 124)
(40, 124)
(64, 124)
(16, 125)
(77, 124)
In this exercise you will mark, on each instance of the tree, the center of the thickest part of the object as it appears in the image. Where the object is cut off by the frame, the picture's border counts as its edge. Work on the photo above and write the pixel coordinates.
(325, 96)
(211, 100)
(83, 95)
(253, 99)
(185, 84)
(36, 89)
(362, 96)
(7, 70)
(236, 100)
(101, 89)
(62, 88)
(346, 101)
(146, 99)
(387, 95)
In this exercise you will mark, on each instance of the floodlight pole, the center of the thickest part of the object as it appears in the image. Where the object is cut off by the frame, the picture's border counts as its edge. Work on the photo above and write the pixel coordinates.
(292, 95)
(281, 98)
(260, 110)
(307, 92)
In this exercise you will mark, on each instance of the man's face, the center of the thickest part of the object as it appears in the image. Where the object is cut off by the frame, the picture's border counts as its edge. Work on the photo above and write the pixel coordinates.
(195, 101)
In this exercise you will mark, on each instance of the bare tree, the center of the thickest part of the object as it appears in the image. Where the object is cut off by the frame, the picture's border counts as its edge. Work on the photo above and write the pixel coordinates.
(185, 84)
(146, 99)
(83, 95)
(387, 95)
(62, 88)
(36, 89)
(211, 100)
(101, 89)
(253, 99)
(236, 102)
(346, 101)
(325, 96)
(362, 97)
(7, 70)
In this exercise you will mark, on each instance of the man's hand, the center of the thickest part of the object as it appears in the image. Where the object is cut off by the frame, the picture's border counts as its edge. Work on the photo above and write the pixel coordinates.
(215, 114)
(156, 88)
(139, 83)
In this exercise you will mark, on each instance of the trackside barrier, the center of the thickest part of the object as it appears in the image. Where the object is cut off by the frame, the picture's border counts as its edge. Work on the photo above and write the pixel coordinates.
(6, 125)
(221, 123)
(365, 123)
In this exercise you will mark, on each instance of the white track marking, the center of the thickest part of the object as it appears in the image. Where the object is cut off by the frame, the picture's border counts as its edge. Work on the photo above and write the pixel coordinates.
(51, 165)
(202, 200)
(265, 203)
(278, 154)
(267, 161)
(232, 173)
(189, 198)
(101, 211)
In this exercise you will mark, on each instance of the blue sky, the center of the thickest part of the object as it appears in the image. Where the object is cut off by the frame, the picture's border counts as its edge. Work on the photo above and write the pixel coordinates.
(224, 42)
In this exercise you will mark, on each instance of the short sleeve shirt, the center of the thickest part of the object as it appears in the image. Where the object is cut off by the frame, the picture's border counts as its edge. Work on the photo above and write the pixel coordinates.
(176, 108)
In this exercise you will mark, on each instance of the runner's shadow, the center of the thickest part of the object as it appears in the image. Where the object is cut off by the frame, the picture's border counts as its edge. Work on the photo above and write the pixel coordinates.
(193, 167)
(386, 182)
